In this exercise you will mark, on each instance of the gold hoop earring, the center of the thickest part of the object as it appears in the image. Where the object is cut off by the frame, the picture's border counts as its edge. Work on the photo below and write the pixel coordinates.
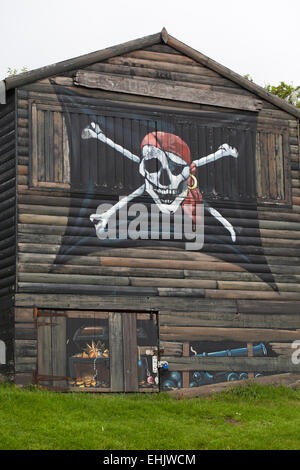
(195, 185)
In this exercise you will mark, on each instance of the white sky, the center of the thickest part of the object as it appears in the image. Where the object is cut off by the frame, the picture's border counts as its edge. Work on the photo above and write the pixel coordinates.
(259, 37)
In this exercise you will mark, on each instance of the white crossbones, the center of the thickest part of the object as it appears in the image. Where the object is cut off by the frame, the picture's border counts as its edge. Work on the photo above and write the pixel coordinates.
(165, 173)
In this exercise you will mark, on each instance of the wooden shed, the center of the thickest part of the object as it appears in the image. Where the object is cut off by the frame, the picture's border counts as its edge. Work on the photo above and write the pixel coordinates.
(150, 221)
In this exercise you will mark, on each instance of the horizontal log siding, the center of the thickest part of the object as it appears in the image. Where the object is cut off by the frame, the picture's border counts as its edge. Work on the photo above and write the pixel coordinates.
(7, 196)
(191, 291)
(7, 227)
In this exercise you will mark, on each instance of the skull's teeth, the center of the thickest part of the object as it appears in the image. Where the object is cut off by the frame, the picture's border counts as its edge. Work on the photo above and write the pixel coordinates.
(167, 191)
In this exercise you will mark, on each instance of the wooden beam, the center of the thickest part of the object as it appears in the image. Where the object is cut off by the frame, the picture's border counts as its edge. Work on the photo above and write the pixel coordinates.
(247, 335)
(247, 364)
(165, 89)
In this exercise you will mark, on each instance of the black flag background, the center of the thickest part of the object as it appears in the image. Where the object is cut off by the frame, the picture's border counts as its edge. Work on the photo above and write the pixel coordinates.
(101, 174)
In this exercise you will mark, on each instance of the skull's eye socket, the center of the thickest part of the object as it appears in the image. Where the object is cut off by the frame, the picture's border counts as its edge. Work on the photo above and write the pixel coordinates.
(152, 165)
(176, 169)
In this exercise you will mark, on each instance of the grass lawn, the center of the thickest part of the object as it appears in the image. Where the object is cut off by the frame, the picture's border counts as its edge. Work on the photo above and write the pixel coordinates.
(252, 417)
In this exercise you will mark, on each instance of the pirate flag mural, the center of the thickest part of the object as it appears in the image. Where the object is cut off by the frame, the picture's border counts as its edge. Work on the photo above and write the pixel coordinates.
(169, 173)
(176, 164)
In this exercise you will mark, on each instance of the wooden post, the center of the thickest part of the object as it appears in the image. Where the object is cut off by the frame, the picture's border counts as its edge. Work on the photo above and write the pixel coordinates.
(186, 375)
(44, 348)
(130, 352)
(250, 354)
(59, 351)
(116, 352)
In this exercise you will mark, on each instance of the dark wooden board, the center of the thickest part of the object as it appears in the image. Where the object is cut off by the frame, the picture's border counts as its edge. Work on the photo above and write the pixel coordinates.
(162, 90)
(249, 364)
(116, 352)
(193, 333)
(130, 353)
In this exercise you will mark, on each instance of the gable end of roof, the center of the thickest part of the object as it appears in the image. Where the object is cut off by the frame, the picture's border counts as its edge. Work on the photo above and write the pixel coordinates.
(159, 38)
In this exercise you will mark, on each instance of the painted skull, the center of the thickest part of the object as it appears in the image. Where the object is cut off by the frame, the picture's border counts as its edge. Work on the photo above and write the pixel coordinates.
(165, 167)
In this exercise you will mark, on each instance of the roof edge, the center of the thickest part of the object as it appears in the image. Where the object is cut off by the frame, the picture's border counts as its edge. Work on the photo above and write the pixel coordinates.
(235, 77)
(162, 37)
(87, 59)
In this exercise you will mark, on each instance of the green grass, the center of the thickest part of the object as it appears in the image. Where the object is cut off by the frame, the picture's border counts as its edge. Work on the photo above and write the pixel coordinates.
(252, 417)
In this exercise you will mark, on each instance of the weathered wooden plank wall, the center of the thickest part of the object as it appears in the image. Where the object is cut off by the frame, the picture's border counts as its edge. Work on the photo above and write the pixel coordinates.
(191, 291)
(7, 195)
(7, 224)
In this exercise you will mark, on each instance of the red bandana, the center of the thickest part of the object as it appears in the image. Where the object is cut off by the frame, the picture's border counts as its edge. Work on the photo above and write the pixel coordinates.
(174, 144)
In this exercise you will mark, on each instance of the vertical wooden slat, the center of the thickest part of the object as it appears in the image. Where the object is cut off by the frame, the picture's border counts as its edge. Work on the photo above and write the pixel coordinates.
(57, 147)
(119, 162)
(76, 175)
(116, 352)
(130, 353)
(47, 145)
(233, 165)
(59, 353)
(249, 191)
(258, 167)
(272, 166)
(90, 149)
(264, 165)
(279, 166)
(49, 148)
(186, 375)
(154, 317)
(200, 150)
(40, 128)
(286, 166)
(211, 172)
(110, 154)
(220, 184)
(101, 176)
(129, 171)
(34, 145)
(253, 162)
(250, 354)
(66, 154)
(241, 163)
(44, 348)
(49, 135)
